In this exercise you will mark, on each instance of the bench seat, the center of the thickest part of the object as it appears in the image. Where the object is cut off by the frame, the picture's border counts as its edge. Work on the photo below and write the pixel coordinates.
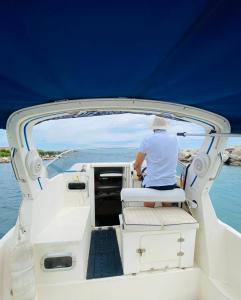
(160, 218)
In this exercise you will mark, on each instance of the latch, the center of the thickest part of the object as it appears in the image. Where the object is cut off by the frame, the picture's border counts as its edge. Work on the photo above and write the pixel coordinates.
(180, 240)
(140, 251)
(180, 253)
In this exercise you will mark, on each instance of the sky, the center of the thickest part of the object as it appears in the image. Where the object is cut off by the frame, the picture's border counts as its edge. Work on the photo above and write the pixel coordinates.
(124, 130)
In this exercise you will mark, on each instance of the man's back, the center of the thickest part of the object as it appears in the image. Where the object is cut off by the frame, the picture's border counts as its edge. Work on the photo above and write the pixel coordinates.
(161, 151)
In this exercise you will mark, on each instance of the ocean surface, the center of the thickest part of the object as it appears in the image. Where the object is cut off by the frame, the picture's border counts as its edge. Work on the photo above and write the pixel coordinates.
(225, 192)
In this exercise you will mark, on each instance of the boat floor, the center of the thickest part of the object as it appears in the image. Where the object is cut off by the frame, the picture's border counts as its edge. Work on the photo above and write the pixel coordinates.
(104, 255)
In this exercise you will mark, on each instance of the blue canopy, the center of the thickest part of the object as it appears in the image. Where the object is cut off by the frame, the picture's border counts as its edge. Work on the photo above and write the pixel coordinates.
(185, 51)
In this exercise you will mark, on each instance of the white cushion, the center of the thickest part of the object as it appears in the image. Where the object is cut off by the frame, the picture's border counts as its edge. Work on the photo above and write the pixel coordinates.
(145, 218)
(152, 195)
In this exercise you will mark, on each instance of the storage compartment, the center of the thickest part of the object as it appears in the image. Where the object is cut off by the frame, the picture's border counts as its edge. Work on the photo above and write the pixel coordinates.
(61, 250)
(157, 239)
(108, 185)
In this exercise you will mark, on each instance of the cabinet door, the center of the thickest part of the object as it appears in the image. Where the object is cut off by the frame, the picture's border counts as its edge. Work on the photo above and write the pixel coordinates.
(159, 251)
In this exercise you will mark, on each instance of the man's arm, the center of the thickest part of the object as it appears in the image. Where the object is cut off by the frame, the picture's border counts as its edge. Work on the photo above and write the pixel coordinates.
(137, 166)
(138, 163)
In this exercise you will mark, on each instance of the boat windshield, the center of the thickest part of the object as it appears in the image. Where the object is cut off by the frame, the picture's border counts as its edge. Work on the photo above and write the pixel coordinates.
(64, 161)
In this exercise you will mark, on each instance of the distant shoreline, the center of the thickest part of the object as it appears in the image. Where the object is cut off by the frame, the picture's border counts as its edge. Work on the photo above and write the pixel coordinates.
(7, 159)
(45, 155)
(231, 156)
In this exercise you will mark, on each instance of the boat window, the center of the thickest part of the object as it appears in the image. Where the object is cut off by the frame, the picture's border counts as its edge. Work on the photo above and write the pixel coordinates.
(57, 262)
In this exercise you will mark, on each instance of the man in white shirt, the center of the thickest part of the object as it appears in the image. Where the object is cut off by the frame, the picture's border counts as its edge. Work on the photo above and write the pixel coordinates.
(161, 153)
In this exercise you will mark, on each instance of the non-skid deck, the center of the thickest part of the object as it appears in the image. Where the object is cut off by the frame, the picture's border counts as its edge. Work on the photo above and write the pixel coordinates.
(104, 256)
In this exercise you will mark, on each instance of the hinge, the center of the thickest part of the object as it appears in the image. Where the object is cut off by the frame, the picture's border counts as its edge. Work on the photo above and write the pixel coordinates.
(180, 253)
(140, 251)
(181, 239)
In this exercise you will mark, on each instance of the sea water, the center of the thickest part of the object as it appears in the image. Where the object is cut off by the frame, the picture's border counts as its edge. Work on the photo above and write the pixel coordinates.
(225, 192)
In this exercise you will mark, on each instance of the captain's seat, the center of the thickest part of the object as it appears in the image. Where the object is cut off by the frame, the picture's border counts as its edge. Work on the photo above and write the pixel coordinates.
(137, 217)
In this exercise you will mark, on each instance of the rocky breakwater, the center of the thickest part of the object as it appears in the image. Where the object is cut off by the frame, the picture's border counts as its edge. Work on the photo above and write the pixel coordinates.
(4, 159)
(231, 156)
(187, 155)
(234, 156)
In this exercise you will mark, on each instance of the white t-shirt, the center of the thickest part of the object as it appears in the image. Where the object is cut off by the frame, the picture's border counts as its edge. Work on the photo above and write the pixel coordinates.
(161, 151)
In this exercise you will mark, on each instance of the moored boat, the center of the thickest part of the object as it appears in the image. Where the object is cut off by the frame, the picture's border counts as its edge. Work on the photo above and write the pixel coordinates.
(85, 233)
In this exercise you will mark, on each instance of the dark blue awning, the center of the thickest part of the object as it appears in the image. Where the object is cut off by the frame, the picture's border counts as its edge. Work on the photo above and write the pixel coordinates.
(186, 52)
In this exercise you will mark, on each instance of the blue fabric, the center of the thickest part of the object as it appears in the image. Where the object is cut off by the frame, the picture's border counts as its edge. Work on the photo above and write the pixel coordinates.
(180, 51)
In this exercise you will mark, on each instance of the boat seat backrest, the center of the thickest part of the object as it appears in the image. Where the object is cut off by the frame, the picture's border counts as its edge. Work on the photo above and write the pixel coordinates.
(152, 195)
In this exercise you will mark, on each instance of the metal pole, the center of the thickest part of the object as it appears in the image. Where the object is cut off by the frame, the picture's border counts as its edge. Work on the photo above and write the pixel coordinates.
(184, 134)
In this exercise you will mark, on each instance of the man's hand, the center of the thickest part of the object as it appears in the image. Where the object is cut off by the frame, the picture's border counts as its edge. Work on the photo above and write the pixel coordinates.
(149, 204)
(140, 177)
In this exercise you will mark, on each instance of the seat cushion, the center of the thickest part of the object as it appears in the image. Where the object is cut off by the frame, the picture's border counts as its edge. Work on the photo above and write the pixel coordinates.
(152, 195)
(159, 218)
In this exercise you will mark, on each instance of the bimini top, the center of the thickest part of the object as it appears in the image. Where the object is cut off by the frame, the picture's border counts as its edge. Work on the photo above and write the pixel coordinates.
(186, 52)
